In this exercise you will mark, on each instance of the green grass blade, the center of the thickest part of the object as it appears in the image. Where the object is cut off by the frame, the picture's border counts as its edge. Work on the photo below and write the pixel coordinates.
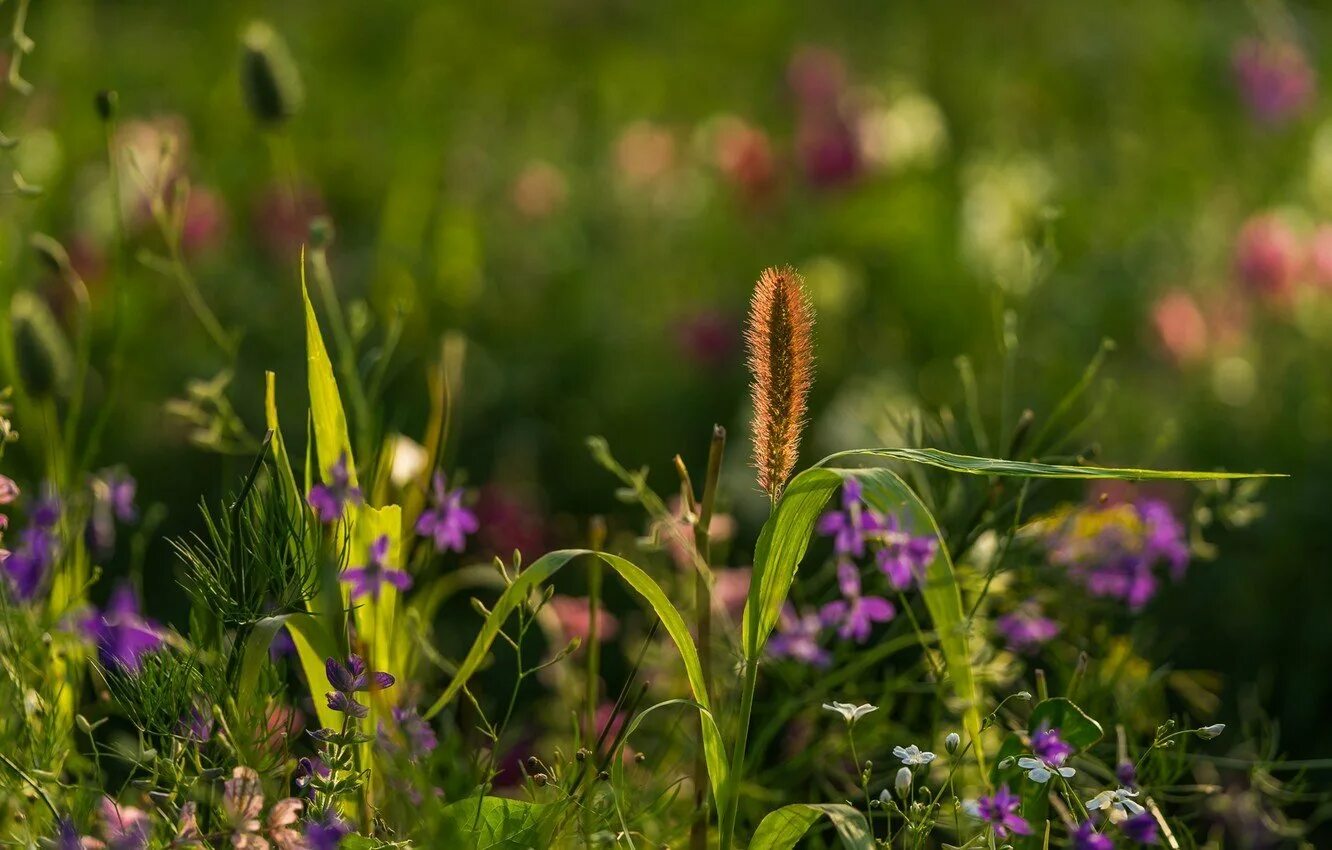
(545, 567)
(330, 420)
(782, 828)
(313, 645)
(971, 465)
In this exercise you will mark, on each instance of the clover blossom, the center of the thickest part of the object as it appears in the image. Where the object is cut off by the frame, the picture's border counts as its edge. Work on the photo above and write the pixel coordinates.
(330, 499)
(369, 579)
(446, 521)
(1000, 811)
(855, 615)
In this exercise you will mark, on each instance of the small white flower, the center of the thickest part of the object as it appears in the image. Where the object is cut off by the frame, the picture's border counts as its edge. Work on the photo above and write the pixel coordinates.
(1039, 771)
(1207, 733)
(851, 713)
(1118, 804)
(952, 742)
(913, 755)
(903, 783)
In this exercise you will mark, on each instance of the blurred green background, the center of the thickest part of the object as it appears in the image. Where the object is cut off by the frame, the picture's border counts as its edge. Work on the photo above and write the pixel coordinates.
(586, 191)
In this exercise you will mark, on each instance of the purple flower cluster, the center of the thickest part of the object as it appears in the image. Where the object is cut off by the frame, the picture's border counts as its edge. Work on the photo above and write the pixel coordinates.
(1025, 629)
(1115, 550)
(122, 634)
(854, 614)
(27, 566)
(350, 679)
(369, 579)
(797, 637)
(446, 521)
(1087, 838)
(331, 498)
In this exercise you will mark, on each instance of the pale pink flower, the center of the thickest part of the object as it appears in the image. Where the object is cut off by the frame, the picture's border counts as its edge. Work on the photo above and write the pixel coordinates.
(1181, 326)
(1268, 258)
(575, 620)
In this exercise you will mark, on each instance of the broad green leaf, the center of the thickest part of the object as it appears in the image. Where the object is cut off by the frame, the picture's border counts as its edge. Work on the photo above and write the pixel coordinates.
(782, 828)
(1075, 726)
(499, 823)
(313, 645)
(780, 548)
(330, 420)
(886, 492)
(545, 567)
(1023, 469)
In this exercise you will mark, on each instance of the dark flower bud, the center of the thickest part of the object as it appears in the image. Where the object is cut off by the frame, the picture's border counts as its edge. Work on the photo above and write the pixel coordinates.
(45, 364)
(269, 79)
(603, 776)
(540, 779)
(582, 754)
(105, 102)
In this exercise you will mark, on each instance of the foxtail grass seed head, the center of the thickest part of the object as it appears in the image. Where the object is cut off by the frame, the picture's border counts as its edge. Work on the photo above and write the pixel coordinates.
(779, 340)
(269, 78)
(45, 364)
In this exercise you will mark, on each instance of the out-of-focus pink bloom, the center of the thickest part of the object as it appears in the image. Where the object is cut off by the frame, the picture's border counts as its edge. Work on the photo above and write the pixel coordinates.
(9, 491)
(282, 723)
(205, 222)
(281, 220)
(87, 258)
(644, 153)
(743, 154)
(730, 590)
(123, 827)
(539, 191)
(575, 620)
(677, 536)
(707, 338)
(817, 77)
(1180, 325)
(509, 520)
(1320, 256)
(829, 150)
(153, 155)
(1275, 79)
(1268, 258)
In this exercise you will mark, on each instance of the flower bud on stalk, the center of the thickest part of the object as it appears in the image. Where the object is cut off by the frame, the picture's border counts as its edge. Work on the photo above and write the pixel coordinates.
(269, 79)
(45, 365)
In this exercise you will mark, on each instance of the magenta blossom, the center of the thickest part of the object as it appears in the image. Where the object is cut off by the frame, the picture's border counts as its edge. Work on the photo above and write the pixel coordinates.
(123, 636)
(855, 615)
(1087, 838)
(368, 580)
(853, 524)
(330, 499)
(1275, 79)
(904, 556)
(446, 521)
(1024, 629)
(1000, 811)
(797, 637)
(1049, 747)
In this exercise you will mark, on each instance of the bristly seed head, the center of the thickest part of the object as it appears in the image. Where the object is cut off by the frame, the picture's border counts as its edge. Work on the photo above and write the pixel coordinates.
(778, 337)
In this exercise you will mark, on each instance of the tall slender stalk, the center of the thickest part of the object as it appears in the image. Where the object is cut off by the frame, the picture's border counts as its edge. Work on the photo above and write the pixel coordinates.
(597, 540)
(698, 836)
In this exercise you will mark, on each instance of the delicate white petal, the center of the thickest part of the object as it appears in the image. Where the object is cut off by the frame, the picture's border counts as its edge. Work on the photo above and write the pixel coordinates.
(1101, 800)
(1027, 763)
(1133, 808)
(1067, 772)
(1039, 774)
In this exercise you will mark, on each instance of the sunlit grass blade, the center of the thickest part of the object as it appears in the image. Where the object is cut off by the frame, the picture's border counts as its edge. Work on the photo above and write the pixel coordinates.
(332, 439)
(782, 828)
(1026, 469)
(313, 645)
(541, 570)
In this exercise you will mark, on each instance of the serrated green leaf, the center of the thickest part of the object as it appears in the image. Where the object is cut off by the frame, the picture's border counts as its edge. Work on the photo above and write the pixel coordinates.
(782, 828)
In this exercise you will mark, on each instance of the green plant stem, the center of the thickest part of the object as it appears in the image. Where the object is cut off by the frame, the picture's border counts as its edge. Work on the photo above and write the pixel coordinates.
(698, 836)
(738, 753)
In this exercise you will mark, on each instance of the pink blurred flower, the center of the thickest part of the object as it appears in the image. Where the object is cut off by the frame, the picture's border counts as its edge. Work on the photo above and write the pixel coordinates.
(508, 521)
(829, 150)
(282, 723)
(1275, 79)
(9, 491)
(730, 590)
(153, 153)
(677, 536)
(205, 222)
(575, 620)
(817, 77)
(1320, 256)
(1268, 258)
(539, 191)
(743, 154)
(707, 338)
(281, 220)
(1180, 325)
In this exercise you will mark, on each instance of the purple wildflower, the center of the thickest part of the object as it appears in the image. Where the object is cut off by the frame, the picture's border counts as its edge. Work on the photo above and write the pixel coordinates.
(28, 565)
(306, 770)
(850, 526)
(1024, 629)
(904, 556)
(414, 729)
(197, 726)
(67, 837)
(326, 834)
(855, 615)
(123, 827)
(1275, 79)
(797, 637)
(1000, 811)
(46, 510)
(1164, 537)
(1127, 774)
(123, 636)
(446, 521)
(1087, 838)
(113, 500)
(330, 499)
(369, 579)
(350, 679)
(1049, 747)
(1140, 828)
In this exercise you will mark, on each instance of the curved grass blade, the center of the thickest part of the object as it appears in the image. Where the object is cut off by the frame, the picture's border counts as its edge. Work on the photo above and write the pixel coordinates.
(971, 465)
(313, 645)
(330, 420)
(782, 828)
(545, 567)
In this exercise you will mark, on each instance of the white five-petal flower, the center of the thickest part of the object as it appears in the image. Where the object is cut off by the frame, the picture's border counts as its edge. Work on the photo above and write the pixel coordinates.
(1039, 771)
(912, 755)
(1118, 804)
(851, 713)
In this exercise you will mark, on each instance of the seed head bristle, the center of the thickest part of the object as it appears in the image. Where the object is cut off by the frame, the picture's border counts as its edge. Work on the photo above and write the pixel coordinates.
(778, 337)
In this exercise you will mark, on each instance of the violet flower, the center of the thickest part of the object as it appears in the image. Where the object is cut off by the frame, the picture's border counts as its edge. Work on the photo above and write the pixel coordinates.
(1000, 811)
(904, 556)
(350, 679)
(415, 730)
(123, 636)
(855, 615)
(326, 834)
(850, 526)
(330, 499)
(446, 521)
(1087, 838)
(797, 637)
(26, 567)
(1024, 629)
(369, 579)
(1140, 828)
(1049, 747)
